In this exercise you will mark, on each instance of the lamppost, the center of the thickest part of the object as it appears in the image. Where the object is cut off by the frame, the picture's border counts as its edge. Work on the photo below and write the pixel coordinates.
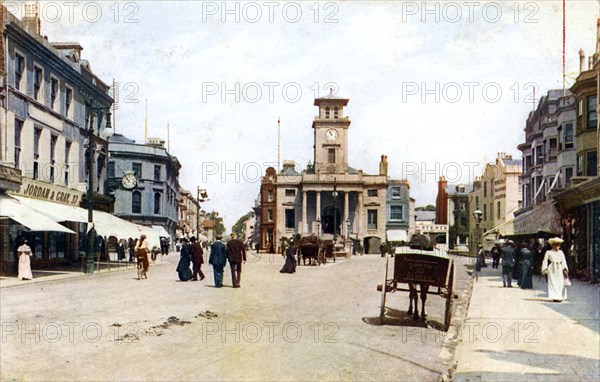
(335, 195)
(318, 227)
(204, 194)
(91, 233)
(477, 214)
(348, 240)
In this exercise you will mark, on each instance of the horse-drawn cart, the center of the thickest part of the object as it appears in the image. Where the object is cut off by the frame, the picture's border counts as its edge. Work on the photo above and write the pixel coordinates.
(423, 267)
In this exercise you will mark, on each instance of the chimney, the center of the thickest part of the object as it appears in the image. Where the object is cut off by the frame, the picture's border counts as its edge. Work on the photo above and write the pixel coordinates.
(31, 20)
(581, 60)
(383, 166)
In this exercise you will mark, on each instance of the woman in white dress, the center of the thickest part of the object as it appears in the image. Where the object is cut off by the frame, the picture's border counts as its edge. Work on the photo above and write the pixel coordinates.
(24, 261)
(555, 267)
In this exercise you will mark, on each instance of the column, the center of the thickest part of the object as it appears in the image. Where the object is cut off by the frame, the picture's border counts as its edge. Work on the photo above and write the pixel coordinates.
(318, 210)
(359, 209)
(346, 206)
(304, 229)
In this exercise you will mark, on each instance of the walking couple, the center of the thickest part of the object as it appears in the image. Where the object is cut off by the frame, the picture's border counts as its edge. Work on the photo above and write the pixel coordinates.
(235, 252)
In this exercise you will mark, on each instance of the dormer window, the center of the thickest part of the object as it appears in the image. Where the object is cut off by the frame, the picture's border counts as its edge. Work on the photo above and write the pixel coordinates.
(327, 112)
(335, 112)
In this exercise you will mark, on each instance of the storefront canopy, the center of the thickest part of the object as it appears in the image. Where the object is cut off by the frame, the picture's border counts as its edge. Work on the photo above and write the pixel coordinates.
(34, 221)
(397, 235)
(162, 232)
(56, 211)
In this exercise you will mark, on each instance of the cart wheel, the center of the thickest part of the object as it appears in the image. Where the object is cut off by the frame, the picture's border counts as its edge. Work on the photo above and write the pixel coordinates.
(383, 294)
(449, 297)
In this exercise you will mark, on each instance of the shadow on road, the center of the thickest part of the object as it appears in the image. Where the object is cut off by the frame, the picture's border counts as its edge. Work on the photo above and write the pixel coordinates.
(395, 317)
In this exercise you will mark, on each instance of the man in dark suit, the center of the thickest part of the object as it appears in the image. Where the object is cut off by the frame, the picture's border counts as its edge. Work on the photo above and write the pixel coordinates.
(508, 263)
(236, 253)
(197, 259)
(218, 259)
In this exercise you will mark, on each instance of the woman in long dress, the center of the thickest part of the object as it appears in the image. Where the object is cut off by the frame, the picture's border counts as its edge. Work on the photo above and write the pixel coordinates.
(526, 265)
(290, 260)
(555, 267)
(185, 259)
(24, 261)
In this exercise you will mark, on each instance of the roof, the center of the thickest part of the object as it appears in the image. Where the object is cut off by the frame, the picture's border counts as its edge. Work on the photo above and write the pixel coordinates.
(512, 162)
(119, 138)
(452, 189)
(424, 215)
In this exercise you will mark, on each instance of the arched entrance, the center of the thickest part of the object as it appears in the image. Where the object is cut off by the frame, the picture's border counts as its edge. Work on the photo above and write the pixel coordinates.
(371, 245)
(328, 216)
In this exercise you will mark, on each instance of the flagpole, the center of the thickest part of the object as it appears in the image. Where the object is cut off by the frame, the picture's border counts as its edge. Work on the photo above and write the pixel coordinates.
(146, 123)
(278, 144)
(168, 138)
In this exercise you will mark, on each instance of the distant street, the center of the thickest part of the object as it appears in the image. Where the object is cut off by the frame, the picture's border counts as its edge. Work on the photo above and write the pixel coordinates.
(317, 324)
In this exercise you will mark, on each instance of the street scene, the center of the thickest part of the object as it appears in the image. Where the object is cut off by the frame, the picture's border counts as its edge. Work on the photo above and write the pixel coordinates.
(299, 191)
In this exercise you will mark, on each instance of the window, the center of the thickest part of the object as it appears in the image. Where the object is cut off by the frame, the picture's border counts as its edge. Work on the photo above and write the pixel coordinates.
(327, 112)
(110, 169)
(53, 92)
(396, 213)
(371, 192)
(485, 212)
(552, 149)
(52, 156)
(68, 101)
(335, 112)
(498, 204)
(372, 219)
(136, 202)
(591, 112)
(395, 192)
(157, 172)
(18, 131)
(290, 192)
(156, 203)
(491, 211)
(592, 163)
(67, 154)
(270, 196)
(463, 221)
(568, 138)
(19, 69)
(484, 189)
(36, 152)
(463, 206)
(580, 107)
(568, 175)
(539, 155)
(269, 214)
(37, 82)
(137, 169)
(290, 218)
(580, 165)
(330, 155)
(477, 202)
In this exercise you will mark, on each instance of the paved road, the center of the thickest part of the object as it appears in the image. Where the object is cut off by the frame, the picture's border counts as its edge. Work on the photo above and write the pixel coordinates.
(317, 324)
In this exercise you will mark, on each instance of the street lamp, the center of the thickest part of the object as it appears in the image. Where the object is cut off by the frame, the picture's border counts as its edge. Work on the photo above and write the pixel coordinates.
(477, 214)
(318, 221)
(91, 233)
(204, 194)
(335, 195)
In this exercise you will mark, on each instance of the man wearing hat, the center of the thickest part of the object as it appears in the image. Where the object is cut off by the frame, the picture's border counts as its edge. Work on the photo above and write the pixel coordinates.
(508, 263)
(218, 259)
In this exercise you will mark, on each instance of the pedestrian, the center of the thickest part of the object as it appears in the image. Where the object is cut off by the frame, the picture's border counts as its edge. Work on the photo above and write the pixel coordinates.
(132, 245)
(508, 263)
(141, 251)
(517, 268)
(290, 259)
(236, 253)
(536, 258)
(526, 265)
(479, 263)
(496, 253)
(185, 259)
(197, 259)
(554, 266)
(121, 249)
(164, 246)
(383, 249)
(24, 261)
(218, 259)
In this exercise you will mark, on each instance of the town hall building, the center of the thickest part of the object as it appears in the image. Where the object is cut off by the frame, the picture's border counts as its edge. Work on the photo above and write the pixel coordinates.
(329, 197)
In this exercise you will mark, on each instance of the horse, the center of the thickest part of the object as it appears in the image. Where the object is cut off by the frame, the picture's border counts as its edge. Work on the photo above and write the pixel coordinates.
(413, 296)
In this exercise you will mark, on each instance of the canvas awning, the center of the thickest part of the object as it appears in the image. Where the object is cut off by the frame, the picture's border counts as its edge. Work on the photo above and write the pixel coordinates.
(56, 211)
(397, 235)
(542, 218)
(34, 221)
(162, 232)
(506, 228)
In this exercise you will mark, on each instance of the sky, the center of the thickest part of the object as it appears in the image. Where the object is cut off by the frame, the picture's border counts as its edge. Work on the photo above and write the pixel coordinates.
(438, 87)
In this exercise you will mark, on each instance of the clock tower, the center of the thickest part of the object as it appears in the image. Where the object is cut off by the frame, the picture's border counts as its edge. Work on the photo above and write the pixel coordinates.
(331, 136)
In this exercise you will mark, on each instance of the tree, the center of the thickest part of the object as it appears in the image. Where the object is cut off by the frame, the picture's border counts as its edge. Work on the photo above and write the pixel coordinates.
(219, 226)
(238, 228)
(429, 207)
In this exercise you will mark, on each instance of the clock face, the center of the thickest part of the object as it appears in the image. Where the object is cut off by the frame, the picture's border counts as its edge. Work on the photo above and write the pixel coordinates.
(331, 135)
(129, 181)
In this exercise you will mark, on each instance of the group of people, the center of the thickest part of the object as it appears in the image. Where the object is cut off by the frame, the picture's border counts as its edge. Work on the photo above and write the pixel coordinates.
(234, 252)
(518, 262)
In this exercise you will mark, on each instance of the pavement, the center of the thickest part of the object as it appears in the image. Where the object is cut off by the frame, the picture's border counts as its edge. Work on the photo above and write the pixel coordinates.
(513, 334)
(321, 323)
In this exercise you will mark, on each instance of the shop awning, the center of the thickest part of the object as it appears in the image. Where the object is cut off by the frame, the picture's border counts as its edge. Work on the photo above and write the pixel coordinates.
(503, 229)
(34, 221)
(55, 211)
(397, 235)
(541, 218)
(162, 232)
